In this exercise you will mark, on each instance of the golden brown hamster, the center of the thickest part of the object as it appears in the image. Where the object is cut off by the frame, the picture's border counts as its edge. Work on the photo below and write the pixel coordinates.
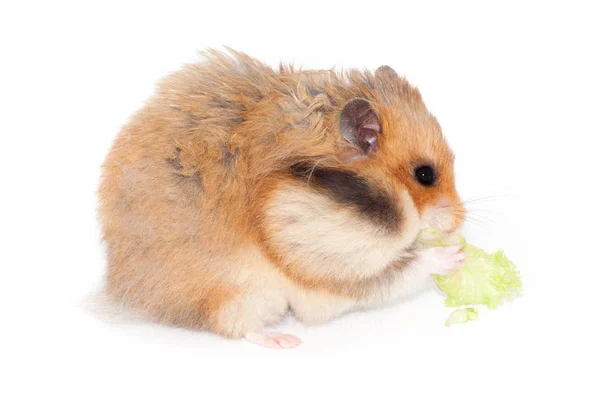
(239, 192)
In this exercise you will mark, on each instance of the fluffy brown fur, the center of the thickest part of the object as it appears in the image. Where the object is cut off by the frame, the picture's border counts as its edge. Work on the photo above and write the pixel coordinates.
(206, 227)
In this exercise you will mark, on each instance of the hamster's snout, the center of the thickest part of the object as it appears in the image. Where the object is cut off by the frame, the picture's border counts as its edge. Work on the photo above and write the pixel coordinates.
(447, 215)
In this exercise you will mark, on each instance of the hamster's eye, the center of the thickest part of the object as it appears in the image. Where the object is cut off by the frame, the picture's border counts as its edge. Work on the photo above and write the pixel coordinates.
(425, 175)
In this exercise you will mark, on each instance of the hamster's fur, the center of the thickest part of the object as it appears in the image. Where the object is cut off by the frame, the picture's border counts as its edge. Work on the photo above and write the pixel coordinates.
(239, 192)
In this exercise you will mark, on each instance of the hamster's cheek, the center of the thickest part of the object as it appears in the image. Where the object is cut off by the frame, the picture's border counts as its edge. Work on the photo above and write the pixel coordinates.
(411, 218)
(317, 237)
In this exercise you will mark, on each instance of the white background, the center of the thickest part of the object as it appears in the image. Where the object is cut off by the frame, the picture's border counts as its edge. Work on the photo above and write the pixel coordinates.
(516, 89)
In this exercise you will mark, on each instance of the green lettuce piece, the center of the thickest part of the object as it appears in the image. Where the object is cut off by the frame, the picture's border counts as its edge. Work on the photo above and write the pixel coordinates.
(462, 315)
(485, 278)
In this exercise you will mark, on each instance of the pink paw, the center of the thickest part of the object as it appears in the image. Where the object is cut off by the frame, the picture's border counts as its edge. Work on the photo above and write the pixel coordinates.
(443, 260)
(273, 340)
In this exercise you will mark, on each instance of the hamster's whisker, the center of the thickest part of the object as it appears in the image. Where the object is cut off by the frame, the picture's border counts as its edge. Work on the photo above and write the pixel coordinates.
(480, 213)
(478, 199)
(470, 214)
(484, 211)
(474, 221)
(480, 218)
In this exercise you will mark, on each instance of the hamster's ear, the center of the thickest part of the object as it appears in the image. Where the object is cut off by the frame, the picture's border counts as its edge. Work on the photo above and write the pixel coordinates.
(360, 125)
(385, 72)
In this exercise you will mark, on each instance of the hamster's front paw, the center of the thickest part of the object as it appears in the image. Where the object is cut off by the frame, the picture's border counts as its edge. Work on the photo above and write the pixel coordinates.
(442, 260)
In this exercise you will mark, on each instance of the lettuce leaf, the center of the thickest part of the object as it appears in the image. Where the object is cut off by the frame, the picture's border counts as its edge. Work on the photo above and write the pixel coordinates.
(462, 315)
(485, 278)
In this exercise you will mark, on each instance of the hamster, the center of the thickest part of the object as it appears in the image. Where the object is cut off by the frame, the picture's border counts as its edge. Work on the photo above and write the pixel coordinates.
(239, 193)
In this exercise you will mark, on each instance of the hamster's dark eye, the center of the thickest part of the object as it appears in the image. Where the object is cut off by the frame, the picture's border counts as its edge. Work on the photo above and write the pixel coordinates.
(425, 175)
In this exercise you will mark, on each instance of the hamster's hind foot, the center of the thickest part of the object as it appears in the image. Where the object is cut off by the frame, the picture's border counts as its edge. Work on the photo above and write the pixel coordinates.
(273, 340)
